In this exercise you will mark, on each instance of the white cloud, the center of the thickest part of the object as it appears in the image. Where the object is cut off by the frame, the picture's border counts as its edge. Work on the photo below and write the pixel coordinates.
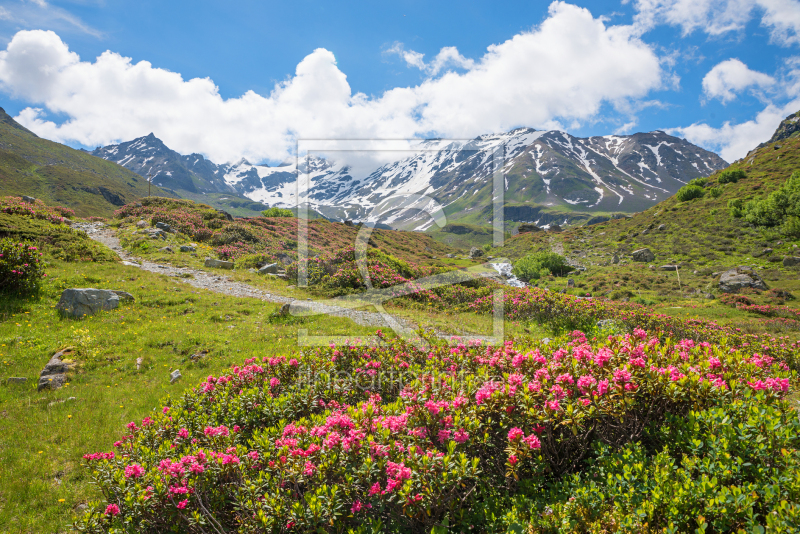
(563, 70)
(716, 17)
(733, 141)
(448, 56)
(730, 77)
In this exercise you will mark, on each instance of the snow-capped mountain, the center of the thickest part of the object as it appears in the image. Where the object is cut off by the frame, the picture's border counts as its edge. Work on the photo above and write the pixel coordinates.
(548, 170)
(150, 156)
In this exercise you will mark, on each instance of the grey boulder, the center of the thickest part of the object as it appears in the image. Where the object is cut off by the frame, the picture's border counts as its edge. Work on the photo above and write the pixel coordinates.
(668, 268)
(174, 376)
(164, 226)
(475, 252)
(142, 224)
(643, 255)
(188, 248)
(218, 264)
(79, 302)
(791, 261)
(270, 268)
(28, 200)
(735, 279)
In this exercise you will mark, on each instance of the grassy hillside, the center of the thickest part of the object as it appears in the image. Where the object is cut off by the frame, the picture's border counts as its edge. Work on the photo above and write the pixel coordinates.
(57, 174)
(700, 236)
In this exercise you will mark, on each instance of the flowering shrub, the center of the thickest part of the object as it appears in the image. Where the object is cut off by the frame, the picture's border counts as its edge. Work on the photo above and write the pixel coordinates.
(35, 210)
(269, 237)
(401, 437)
(21, 269)
(564, 312)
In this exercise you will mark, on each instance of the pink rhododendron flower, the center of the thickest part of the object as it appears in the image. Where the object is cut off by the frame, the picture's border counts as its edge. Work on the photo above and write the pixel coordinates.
(112, 510)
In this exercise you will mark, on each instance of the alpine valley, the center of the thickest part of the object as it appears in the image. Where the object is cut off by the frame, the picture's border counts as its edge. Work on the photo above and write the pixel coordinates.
(549, 177)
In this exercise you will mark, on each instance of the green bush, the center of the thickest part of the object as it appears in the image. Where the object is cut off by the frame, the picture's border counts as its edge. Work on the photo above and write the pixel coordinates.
(539, 264)
(731, 176)
(736, 207)
(715, 192)
(791, 227)
(700, 182)
(730, 468)
(21, 269)
(277, 212)
(690, 192)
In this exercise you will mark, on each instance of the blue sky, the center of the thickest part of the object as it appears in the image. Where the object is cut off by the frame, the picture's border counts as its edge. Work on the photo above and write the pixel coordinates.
(721, 73)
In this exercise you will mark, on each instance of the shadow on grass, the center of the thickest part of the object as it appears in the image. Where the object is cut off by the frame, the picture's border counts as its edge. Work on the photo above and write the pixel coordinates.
(13, 304)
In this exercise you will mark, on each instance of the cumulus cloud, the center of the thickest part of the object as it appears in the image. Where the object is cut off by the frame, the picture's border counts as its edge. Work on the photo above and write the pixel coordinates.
(716, 17)
(733, 141)
(730, 77)
(563, 70)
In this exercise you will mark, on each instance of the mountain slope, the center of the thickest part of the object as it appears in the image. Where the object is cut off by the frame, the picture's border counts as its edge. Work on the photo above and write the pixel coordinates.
(700, 235)
(192, 176)
(30, 165)
(550, 176)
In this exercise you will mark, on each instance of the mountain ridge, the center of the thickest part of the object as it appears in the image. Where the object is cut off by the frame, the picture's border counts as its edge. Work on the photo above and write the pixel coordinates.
(549, 169)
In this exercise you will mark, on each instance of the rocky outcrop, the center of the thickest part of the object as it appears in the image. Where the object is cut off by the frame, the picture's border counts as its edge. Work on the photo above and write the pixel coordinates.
(54, 374)
(80, 302)
(791, 261)
(270, 268)
(736, 279)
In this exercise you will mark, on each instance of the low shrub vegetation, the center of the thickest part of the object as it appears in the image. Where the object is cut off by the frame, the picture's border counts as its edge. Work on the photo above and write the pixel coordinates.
(535, 266)
(405, 437)
(690, 192)
(731, 176)
(277, 212)
(779, 208)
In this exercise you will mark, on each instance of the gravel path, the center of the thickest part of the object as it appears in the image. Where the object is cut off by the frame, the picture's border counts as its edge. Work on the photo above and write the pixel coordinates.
(222, 284)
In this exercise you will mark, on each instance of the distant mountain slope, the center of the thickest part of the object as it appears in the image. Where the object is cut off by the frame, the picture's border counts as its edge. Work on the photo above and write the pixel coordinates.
(192, 176)
(30, 165)
(550, 176)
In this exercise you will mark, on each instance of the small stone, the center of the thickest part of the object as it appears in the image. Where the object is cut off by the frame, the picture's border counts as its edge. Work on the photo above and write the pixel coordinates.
(130, 263)
(348, 223)
(546, 340)
(475, 252)
(708, 296)
(166, 249)
(16, 380)
(615, 259)
(187, 248)
(139, 362)
(28, 200)
(662, 227)
(643, 255)
(164, 226)
(668, 268)
(284, 311)
(219, 264)
(142, 224)
(270, 268)
(174, 376)
(570, 282)
(554, 228)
